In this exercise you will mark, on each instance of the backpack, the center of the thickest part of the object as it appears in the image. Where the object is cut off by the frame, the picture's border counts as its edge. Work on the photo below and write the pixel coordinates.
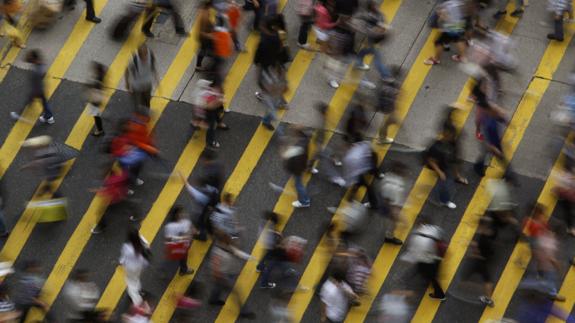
(223, 44)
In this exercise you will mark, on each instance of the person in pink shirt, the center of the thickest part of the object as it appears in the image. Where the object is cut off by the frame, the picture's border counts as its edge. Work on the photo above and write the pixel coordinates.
(323, 23)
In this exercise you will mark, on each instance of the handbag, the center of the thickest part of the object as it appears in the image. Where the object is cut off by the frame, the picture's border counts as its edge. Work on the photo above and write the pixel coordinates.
(53, 210)
(177, 250)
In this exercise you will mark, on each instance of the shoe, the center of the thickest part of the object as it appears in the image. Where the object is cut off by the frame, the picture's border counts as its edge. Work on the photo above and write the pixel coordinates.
(446, 47)
(300, 205)
(304, 46)
(95, 20)
(339, 181)
(334, 84)
(449, 205)
(130, 192)
(14, 115)
(96, 230)
(50, 120)
(97, 133)
(362, 67)
(394, 241)
(517, 13)
(314, 170)
(367, 205)
(337, 163)
(4, 235)
(269, 126)
(385, 141)
(148, 34)
(182, 32)
(552, 37)
(135, 218)
(268, 285)
(215, 144)
(187, 272)
(487, 301)
(223, 126)
(456, 58)
(437, 297)
(500, 14)
(139, 182)
(431, 61)
(259, 95)
(218, 302)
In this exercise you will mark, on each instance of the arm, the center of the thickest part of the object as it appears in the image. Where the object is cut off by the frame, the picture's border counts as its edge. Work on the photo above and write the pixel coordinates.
(433, 164)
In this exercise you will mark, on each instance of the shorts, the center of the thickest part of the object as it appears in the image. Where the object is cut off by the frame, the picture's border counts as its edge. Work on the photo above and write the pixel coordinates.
(446, 38)
(321, 34)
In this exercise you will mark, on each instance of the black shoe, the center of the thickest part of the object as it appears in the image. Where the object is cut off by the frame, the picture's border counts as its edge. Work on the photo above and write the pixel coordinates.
(182, 32)
(187, 272)
(95, 20)
(441, 298)
(218, 302)
(499, 14)
(517, 13)
(394, 241)
(269, 126)
(148, 33)
(479, 169)
(552, 37)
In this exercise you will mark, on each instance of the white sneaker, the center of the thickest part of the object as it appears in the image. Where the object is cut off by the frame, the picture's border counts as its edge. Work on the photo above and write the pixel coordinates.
(314, 170)
(385, 141)
(367, 84)
(259, 95)
(139, 182)
(14, 115)
(339, 181)
(362, 67)
(337, 162)
(304, 46)
(449, 205)
(334, 84)
(48, 121)
(130, 192)
(299, 205)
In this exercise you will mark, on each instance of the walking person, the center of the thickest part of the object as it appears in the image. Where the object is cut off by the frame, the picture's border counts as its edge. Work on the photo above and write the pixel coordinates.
(214, 108)
(393, 194)
(558, 8)
(135, 257)
(96, 96)
(10, 8)
(387, 95)
(37, 87)
(502, 11)
(165, 5)
(81, 296)
(305, 12)
(205, 36)
(451, 20)
(140, 77)
(375, 29)
(336, 296)
(359, 162)
(295, 157)
(90, 12)
(178, 234)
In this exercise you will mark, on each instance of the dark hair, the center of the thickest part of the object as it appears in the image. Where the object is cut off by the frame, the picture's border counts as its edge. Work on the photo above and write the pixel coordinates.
(135, 240)
(271, 216)
(99, 71)
(174, 214)
(322, 107)
(33, 56)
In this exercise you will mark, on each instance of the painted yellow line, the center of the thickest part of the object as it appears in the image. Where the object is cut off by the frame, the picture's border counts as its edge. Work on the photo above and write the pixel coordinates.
(512, 273)
(76, 138)
(468, 224)
(55, 73)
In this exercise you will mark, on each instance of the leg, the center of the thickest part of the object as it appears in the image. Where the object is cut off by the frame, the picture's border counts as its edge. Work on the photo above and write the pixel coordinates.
(211, 131)
(98, 122)
(90, 13)
(271, 111)
(134, 287)
(384, 73)
(148, 20)
(178, 21)
(391, 119)
(304, 27)
(443, 190)
(183, 263)
(46, 113)
(301, 190)
(3, 228)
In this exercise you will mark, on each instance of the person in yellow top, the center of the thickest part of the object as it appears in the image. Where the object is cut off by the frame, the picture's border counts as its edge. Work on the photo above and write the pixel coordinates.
(8, 9)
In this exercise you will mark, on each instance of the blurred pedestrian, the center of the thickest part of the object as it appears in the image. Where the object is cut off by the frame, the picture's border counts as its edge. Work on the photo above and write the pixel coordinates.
(81, 296)
(168, 6)
(204, 197)
(565, 191)
(135, 257)
(272, 238)
(305, 11)
(387, 95)
(295, 159)
(8, 9)
(30, 291)
(394, 307)
(502, 11)
(393, 194)
(95, 96)
(178, 233)
(359, 162)
(4, 232)
(205, 36)
(558, 8)
(452, 24)
(224, 217)
(140, 77)
(49, 159)
(375, 30)
(324, 21)
(37, 87)
(90, 12)
(336, 296)
(8, 311)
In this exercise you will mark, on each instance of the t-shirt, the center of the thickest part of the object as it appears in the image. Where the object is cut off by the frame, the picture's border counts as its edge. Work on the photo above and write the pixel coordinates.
(177, 229)
(444, 153)
(335, 300)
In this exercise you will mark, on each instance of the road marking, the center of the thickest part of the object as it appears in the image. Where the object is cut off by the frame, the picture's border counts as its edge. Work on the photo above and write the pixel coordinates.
(468, 224)
(53, 78)
(168, 84)
(512, 274)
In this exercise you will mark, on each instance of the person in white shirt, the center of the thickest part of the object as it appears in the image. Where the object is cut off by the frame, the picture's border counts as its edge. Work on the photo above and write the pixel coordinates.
(336, 296)
(134, 258)
(81, 296)
(393, 195)
(179, 229)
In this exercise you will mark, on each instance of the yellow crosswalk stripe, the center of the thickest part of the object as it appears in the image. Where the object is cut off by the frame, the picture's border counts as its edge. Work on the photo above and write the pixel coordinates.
(468, 224)
(167, 86)
(54, 77)
(422, 188)
(512, 273)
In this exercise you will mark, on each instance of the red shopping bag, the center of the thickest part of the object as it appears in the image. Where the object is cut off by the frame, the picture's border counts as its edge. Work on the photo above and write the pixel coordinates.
(177, 250)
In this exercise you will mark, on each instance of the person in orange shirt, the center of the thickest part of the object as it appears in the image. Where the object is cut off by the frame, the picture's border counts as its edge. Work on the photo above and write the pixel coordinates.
(234, 18)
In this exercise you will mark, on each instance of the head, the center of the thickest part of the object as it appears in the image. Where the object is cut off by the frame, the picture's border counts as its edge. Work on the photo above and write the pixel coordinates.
(272, 217)
(143, 51)
(371, 6)
(135, 240)
(32, 267)
(34, 56)
(176, 213)
(322, 108)
(99, 70)
(228, 198)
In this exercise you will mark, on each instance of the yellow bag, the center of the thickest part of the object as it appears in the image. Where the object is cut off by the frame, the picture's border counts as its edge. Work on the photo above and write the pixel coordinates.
(53, 210)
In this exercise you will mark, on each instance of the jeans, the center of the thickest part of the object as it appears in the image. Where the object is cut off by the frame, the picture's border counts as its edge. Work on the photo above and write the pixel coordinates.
(3, 228)
(272, 103)
(558, 23)
(47, 112)
(443, 187)
(302, 196)
(429, 272)
(372, 50)
(306, 23)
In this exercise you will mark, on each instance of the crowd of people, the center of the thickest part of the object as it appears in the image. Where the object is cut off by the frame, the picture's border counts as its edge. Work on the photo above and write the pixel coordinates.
(340, 28)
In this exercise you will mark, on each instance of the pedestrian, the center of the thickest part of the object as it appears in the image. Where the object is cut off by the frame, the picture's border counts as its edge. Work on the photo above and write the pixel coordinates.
(178, 233)
(205, 197)
(481, 255)
(443, 158)
(425, 250)
(336, 296)
(395, 307)
(49, 159)
(452, 24)
(254, 5)
(8, 311)
(140, 77)
(356, 124)
(205, 36)
(214, 110)
(393, 194)
(295, 158)
(81, 296)
(96, 96)
(565, 191)
(558, 8)
(324, 21)
(222, 260)
(234, 15)
(305, 12)
(10, 8)
(375, 29)
(37, 87)
(30, 295)
(224, 218)
(90, 12)
(272, 238)
(359, 162)
(166, 5)
(135, 257)
(387, 94)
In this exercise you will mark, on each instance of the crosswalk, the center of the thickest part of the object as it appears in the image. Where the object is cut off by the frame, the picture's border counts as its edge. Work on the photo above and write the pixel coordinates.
(251, 158)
